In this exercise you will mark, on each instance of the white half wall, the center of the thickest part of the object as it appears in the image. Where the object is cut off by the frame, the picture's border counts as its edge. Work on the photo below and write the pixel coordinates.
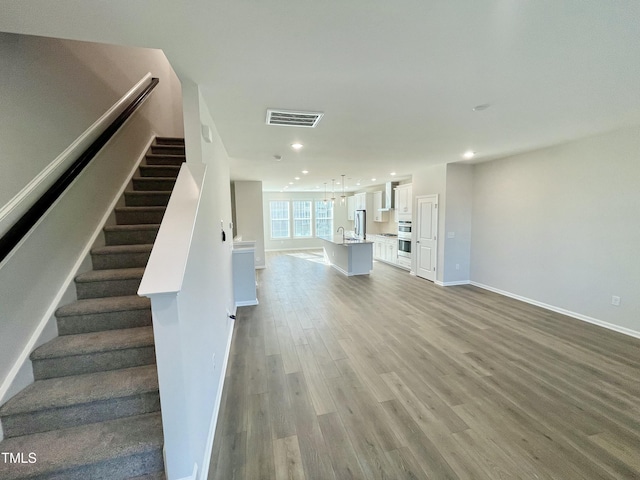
(561, 226)
(207, 289)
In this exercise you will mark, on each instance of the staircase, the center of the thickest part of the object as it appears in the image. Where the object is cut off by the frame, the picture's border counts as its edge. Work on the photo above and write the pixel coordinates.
(94, 410)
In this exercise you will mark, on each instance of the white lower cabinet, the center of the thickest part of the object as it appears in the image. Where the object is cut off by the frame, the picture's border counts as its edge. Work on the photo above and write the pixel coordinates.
(385, 249)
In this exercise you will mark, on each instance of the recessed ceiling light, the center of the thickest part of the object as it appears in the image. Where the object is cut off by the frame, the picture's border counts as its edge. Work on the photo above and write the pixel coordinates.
(393, 174)
(296, 146)
(305, 171)
(297, 178)
(358, 184)
(469, 154)
(373, 179)
(337, 183)
(290, 183)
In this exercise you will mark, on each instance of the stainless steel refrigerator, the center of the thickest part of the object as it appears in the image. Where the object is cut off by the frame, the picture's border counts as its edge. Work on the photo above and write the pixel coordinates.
(361, 224)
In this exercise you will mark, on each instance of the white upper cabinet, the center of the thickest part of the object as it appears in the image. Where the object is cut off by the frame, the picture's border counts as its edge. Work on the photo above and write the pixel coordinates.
(404, 200)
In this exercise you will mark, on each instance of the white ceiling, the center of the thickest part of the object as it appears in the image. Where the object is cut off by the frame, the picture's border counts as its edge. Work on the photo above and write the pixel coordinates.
(397, 81)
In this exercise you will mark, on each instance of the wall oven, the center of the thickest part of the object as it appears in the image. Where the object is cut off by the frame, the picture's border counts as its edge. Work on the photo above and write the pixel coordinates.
(404, 238)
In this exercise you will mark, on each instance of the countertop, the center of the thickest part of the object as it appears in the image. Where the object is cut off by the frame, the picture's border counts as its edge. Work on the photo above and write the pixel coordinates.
(337, 239)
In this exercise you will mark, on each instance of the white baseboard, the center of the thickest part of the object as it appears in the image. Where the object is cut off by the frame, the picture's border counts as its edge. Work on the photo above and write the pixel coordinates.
(194, 474)
(37, 338)
(247, 303)
(452, 284)
(579, 316)
(206, 461)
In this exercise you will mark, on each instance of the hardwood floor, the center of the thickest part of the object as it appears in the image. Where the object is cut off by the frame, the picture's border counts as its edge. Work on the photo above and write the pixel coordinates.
(390, 376)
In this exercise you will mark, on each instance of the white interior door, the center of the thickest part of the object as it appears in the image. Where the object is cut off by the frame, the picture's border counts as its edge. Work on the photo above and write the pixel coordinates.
(427, 236)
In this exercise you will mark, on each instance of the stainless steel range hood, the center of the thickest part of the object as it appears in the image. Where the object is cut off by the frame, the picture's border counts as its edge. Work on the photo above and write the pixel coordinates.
(389, 196)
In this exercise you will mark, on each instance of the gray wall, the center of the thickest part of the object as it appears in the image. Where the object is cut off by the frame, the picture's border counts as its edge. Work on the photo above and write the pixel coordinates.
(561, 226)
(38, 274)
(248, 214)
(457, 233)
(52, 90)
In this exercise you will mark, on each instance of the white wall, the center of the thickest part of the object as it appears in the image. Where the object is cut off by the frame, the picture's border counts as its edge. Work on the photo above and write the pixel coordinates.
(206, 297)
(561, 226)
(248, 215)
(339, 218)
(36, 276)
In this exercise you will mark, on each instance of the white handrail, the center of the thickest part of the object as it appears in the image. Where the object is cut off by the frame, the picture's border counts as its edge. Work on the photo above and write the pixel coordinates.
(12, 211)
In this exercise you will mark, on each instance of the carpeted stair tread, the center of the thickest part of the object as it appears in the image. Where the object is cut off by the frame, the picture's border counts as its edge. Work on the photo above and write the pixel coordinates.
(151, 476)
(147, 184)
(131, 234)
(76, 389)
(142, 208)
(111, 274)
(164, 159)
(148, 198)
(173, 149)
(119, 249)
(131, 228)
(115, 449)
(169, 141)
(86, 343)
(170, 171)
(103, 305)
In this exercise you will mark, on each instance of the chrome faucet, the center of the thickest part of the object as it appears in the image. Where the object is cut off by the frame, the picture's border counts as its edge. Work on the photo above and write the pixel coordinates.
(338, 231)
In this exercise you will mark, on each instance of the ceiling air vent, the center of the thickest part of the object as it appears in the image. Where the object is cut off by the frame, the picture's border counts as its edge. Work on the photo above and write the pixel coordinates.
(287, 118)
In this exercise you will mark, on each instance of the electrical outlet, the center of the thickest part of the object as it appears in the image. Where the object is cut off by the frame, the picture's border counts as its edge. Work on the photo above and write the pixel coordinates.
(615, 300)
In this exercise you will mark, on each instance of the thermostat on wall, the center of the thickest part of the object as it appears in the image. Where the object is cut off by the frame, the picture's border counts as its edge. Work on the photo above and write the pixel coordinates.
(207, 134)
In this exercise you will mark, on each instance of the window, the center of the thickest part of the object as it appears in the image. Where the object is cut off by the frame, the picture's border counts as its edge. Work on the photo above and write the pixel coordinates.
(324, 219)
(301, 219)
(279, 210)
(301, 216)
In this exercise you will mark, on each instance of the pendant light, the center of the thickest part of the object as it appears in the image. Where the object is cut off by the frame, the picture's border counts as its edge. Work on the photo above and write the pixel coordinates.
(333, 191)
(343, 197)
(325, 193)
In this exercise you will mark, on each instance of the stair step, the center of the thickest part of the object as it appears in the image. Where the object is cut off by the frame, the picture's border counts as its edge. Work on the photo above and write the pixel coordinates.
(147, 199)
(130, 234)
(159, 171)
(139, 215)
(101, 314)
(153, 184)
(108, 283)
(170, 141)
(168, 149)
(94, 352)
(164, 159)
(120, 256)
(114, 450)
(151, 476)
(81, 399)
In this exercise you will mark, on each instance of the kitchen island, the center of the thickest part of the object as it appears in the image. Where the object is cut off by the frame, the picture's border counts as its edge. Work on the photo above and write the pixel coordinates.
(351, 257)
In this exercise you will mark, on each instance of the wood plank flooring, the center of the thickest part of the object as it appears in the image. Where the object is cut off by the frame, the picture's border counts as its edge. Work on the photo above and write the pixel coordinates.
(391, 377)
